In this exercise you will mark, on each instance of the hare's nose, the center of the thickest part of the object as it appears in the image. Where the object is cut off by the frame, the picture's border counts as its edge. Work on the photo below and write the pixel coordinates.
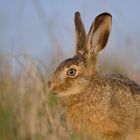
(49, 84)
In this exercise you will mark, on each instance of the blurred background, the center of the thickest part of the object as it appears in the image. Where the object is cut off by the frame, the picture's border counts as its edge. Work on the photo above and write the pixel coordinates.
(36, 35)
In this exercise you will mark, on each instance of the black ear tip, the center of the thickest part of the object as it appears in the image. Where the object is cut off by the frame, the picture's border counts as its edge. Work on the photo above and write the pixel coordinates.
(105, 14)
(77, 13)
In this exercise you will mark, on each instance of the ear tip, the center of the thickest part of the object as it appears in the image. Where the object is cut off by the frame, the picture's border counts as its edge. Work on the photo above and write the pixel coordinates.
(77, 13)
(106, 14)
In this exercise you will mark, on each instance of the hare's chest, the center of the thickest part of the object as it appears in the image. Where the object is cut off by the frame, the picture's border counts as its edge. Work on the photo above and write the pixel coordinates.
(90, 118)
(86, 116)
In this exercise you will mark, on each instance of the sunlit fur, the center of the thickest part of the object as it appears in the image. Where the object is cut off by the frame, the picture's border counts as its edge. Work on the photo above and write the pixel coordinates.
(96, 104)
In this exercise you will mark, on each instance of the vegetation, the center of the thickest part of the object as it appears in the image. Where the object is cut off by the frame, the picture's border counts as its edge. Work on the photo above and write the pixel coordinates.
(27, 110)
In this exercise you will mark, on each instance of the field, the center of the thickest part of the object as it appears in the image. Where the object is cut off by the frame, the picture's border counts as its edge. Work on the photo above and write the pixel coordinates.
(35, 36)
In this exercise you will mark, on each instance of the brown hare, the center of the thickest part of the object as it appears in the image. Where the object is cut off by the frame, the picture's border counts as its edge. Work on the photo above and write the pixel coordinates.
(98, 104)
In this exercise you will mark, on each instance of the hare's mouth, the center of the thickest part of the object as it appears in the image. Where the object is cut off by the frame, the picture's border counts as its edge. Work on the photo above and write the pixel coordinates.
(54, 93)
(57, 93)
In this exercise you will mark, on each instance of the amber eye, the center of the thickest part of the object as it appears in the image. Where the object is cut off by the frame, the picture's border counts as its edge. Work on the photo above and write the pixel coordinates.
(71, 72)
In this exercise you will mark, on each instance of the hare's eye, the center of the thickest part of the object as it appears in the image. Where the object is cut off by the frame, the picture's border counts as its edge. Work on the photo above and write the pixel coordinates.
(71, 72)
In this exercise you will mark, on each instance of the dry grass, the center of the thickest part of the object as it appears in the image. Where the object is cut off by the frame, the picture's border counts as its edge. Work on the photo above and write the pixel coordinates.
(27, 110)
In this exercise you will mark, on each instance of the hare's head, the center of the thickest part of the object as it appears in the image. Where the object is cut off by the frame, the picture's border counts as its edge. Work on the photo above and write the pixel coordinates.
(75, 74)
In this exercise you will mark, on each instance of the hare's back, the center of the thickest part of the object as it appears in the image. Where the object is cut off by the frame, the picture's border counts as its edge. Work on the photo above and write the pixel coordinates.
(123, 93)
(118, 90)
(125, 83)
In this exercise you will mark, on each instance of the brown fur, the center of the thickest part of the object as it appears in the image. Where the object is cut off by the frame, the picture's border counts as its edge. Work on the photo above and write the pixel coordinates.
(97, 104)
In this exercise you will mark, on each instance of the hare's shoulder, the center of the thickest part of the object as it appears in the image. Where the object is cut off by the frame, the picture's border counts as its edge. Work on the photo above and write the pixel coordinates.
(123, 82)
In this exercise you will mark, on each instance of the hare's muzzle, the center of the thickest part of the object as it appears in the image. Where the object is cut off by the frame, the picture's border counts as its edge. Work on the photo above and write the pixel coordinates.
(51, 87)
(49, 84)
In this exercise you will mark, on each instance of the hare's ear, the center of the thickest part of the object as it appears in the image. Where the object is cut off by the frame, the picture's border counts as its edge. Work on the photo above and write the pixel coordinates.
(80, 33)
(98, 34)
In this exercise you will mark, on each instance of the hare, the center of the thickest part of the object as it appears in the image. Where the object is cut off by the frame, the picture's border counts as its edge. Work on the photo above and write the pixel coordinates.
(94, 103)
